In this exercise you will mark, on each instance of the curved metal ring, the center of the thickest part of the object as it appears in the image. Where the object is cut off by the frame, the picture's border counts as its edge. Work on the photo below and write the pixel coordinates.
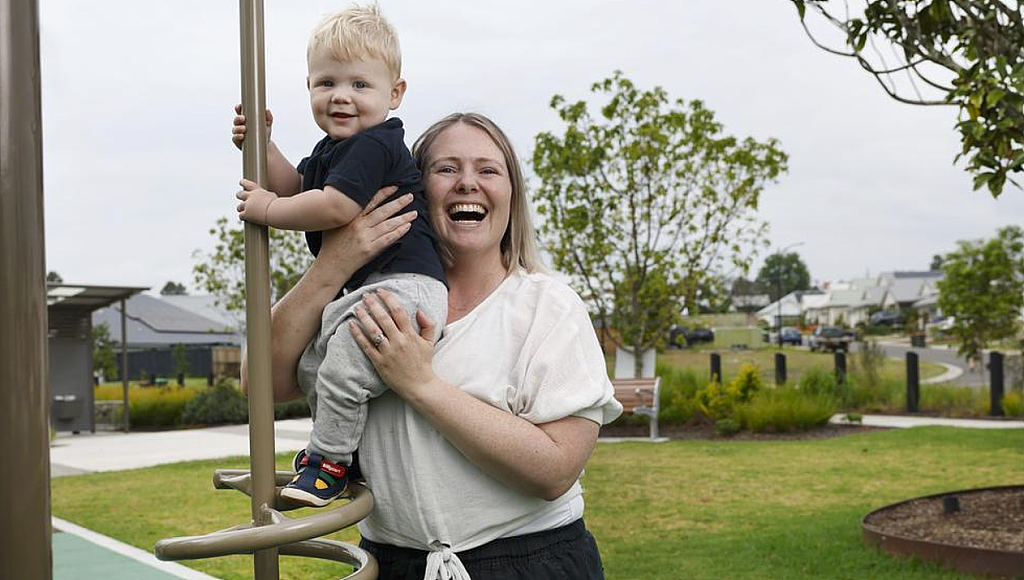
(249, 538)
(377, 339)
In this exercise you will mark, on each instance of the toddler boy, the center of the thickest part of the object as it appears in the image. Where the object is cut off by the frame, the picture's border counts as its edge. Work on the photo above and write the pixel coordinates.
(354, 80)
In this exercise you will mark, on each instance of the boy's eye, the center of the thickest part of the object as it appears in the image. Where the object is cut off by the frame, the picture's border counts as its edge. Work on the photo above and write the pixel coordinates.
(327, 83)
(360, 85)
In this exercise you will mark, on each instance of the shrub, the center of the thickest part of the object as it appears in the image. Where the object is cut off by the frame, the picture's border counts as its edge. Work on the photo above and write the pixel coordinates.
(1013, 404)
(221, 403)
(819, 381)
(718, 402)
(158, 407)
(952, 401)
(727, 427)
(291, 409)
(746, 384)
(678, 388)
(786, 409)
(714, 401)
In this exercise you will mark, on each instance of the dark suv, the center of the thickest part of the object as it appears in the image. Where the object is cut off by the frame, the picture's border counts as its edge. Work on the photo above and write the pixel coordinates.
(682, 336)
(790, 335)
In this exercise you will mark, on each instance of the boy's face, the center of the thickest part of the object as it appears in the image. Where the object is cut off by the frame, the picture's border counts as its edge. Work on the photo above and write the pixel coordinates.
(348, 97)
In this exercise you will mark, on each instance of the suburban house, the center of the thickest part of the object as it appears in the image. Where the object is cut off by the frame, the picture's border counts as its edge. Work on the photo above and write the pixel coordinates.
(851, 302)
(157, 326)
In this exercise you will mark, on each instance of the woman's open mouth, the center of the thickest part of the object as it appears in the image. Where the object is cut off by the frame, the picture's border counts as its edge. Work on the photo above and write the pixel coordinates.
(466, 212)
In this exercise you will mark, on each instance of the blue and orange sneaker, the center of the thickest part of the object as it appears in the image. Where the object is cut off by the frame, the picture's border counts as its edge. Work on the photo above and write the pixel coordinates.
(317, 482)
(354, 473)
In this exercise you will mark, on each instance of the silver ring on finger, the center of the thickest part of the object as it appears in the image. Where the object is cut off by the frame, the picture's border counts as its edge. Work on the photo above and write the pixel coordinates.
(377, 339)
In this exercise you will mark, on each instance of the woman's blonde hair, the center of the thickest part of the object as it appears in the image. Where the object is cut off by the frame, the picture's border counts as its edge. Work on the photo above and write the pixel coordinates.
(358, 32)
(519, 244)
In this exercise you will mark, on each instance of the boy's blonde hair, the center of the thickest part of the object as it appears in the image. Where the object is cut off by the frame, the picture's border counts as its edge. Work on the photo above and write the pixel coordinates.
(358, 32)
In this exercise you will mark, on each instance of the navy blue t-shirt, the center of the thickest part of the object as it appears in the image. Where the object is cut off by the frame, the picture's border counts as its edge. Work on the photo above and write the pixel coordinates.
(359, 166)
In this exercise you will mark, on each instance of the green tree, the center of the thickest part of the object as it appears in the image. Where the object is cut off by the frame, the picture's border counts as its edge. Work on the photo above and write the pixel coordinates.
(645, 204)
(965, 53)
(54, 278)
(173, 289)
(222, 272)
(104, 357)
(936, 265)
(782, 274)
(983, 289)
(180, 356)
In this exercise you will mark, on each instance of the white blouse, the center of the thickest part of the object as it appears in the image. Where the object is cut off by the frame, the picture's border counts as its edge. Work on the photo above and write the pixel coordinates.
(529, 349)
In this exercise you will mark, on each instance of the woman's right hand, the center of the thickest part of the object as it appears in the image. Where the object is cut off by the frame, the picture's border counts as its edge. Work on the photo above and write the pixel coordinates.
(238, 126)
(376, 228)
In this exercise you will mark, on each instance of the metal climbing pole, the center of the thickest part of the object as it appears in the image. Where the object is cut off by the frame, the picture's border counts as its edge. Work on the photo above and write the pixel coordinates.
(270, 533)
(257, 283)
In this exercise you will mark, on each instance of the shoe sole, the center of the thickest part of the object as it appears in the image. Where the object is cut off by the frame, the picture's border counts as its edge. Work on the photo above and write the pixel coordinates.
(307, 499)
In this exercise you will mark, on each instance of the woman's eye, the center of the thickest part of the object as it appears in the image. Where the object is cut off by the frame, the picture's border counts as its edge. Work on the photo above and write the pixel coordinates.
(446, 169)
(489, 171)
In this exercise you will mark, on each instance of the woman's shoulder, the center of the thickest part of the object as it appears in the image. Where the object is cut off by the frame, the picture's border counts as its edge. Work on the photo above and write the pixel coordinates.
(545, 290)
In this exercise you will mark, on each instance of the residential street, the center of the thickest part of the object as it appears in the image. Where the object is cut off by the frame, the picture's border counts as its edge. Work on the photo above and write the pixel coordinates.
(896, 348)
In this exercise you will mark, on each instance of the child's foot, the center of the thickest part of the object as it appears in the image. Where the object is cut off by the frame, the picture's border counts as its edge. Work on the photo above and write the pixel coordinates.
(354, 473)
(318, 481)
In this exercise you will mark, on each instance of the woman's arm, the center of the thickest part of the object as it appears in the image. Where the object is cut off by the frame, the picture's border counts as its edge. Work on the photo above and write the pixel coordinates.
(295, 318)
(540, 460)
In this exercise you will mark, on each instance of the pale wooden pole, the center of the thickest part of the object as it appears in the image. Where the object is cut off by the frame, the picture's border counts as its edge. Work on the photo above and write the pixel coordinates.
(25, 532)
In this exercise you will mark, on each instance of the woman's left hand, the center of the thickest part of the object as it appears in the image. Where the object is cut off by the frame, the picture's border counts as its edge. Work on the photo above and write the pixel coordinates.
(401, 356)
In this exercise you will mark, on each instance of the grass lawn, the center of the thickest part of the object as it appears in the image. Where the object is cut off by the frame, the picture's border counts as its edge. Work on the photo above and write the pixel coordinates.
(715, 510)
(797, 361)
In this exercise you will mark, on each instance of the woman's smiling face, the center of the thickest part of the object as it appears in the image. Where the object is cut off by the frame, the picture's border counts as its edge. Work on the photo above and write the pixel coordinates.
(469, 190)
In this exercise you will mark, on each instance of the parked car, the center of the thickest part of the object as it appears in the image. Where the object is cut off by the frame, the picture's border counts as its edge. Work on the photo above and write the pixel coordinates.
(790, 335)
(830, 338)
(887, 318)
(683, 336)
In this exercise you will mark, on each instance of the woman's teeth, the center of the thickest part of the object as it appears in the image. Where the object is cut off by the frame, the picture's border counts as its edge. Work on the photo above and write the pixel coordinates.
(466, 212)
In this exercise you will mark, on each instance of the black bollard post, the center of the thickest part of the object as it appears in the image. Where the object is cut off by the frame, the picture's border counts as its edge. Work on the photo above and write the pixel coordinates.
(995, 379)
(840, 362)
(181, 379)
(209, 380)
(716, 368)
(913, 383)
(780, 368)
(152, 379)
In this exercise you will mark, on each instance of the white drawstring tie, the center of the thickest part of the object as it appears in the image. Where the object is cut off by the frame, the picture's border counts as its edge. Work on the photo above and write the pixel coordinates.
(444, 564)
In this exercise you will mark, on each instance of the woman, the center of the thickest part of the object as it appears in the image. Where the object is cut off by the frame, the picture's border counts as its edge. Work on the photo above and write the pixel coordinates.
(475, 453)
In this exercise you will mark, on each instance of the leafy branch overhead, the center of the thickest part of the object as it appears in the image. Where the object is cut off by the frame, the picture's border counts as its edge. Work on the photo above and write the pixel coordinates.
(643, 204)
(965, 53)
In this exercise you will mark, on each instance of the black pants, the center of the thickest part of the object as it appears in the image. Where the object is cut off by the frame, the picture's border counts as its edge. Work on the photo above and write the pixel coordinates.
(566, 553)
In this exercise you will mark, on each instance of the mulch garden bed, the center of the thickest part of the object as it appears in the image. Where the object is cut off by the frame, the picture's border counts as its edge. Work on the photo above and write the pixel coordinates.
(991, 519)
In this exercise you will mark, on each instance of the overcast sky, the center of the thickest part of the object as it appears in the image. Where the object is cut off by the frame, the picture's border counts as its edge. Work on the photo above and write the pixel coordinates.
(137, 100)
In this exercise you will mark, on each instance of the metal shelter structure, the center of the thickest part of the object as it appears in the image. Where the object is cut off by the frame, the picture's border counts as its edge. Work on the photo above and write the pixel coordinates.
(270, 533)
(69, 328)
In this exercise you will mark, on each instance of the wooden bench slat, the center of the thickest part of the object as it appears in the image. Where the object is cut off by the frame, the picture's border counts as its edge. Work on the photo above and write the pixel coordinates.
(640, 396)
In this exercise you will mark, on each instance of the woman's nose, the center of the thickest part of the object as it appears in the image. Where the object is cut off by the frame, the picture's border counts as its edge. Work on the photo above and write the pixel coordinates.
(466, 184)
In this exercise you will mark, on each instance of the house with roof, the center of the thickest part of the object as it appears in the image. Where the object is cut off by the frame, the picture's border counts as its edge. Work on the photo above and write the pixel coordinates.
(156, 328)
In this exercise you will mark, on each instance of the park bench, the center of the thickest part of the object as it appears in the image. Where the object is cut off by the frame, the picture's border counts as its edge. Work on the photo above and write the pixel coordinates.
(640, 397)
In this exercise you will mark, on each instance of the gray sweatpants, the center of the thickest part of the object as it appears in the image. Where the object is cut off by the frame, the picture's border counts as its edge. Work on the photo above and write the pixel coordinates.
(338, 379)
